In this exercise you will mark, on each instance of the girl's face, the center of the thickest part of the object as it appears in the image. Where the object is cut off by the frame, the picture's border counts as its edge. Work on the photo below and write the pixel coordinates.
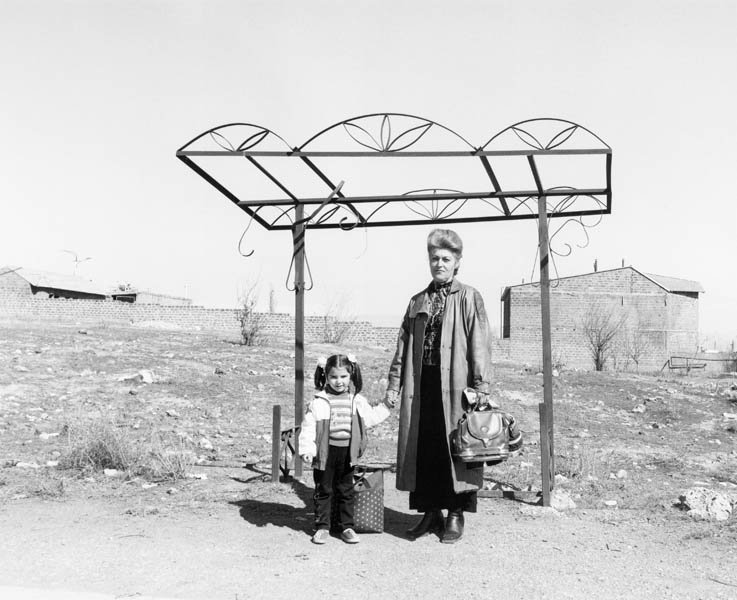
(443, 264)
(339, 379)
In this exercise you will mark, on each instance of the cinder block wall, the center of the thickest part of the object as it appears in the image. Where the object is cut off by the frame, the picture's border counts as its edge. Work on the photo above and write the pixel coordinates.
(662, 324)
(185, 317)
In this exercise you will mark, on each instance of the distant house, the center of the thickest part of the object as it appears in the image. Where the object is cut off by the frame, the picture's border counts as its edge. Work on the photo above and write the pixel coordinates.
(656, 318)
(20, 281)
(147, 297)
(23, 282)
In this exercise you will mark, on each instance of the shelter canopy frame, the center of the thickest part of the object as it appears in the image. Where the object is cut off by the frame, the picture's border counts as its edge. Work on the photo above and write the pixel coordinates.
(393, 169)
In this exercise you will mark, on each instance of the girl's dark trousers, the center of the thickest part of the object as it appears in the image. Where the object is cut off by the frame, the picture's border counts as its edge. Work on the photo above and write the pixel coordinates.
(336, 480)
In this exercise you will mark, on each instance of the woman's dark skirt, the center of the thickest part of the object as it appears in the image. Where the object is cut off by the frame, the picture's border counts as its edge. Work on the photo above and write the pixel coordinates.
(434, 480)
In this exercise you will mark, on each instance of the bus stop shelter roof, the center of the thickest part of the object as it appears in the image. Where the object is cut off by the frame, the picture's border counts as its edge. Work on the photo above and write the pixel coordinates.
(428, 172)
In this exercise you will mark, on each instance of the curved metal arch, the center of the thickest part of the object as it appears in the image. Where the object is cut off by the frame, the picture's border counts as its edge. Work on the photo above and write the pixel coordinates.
(382, 145)
(435, 211)
(516, 127)
(246, 144)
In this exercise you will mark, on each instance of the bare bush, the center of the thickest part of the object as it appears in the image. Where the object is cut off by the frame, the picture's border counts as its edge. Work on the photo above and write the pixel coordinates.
(103, 445)
(559, 360)
(600, 327)
(170, 461)
(100, 445)
(251, 322)
(636, 344)
(338, 321)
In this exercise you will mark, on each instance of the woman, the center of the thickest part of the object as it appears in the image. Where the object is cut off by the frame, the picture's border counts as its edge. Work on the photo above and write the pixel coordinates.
(443, 347)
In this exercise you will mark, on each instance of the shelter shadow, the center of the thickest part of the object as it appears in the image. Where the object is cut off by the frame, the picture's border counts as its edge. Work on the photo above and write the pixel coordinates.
(300, 518)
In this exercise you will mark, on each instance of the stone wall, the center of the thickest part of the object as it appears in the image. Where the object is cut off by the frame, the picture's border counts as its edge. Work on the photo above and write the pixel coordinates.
(278, 325)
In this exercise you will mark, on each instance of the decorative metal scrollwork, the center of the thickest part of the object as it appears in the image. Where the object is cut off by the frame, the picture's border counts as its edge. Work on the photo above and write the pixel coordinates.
(578, 223)
(386, 132)
(435, 210)
(234, 137)
(543, 134)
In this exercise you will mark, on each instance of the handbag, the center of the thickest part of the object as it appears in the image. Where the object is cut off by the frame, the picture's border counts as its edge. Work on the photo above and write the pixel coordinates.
(484, 433)
(368, 500)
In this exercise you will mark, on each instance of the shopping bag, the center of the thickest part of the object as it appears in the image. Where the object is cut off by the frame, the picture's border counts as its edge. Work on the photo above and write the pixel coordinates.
(368, 501)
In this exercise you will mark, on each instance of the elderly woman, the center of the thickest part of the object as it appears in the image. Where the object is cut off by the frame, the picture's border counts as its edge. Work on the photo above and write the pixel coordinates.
(443, 347)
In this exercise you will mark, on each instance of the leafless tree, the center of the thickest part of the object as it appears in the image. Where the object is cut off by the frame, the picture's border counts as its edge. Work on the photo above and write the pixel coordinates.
(636, 343)
(339, 320)
(600, 326)
(251, 322)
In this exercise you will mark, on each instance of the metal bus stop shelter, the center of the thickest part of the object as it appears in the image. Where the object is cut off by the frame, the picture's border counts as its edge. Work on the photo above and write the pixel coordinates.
(395, 170)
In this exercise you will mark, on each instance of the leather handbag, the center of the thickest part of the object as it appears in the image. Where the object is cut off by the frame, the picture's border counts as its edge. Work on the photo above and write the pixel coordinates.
(485, 433)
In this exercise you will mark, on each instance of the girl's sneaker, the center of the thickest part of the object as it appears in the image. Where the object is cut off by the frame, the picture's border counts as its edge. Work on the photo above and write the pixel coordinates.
(349, 536)
(321, 536)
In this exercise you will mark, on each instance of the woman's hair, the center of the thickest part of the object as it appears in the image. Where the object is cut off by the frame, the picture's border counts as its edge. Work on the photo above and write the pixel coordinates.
(445, 239)
(338, 360)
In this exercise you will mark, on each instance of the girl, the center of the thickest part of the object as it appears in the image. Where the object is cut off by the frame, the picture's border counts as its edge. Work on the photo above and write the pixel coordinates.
(333, 437)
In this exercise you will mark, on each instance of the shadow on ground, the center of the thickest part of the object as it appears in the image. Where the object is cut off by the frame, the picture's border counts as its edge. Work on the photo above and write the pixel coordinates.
(300, 518)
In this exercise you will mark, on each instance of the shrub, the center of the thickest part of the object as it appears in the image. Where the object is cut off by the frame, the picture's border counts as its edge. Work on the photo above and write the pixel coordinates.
(251, 323)
(338, 321)
(599, 327)
(100, 445)
(167, 462)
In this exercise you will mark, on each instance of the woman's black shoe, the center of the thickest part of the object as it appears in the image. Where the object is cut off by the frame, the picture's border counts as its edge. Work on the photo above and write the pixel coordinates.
(453, 527)
(432, 522)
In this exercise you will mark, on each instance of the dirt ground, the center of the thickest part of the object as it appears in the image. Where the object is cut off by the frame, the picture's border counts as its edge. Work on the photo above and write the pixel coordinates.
(222, 530)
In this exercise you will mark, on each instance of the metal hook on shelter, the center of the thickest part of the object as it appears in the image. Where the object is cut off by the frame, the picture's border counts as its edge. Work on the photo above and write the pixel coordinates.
(240, 241)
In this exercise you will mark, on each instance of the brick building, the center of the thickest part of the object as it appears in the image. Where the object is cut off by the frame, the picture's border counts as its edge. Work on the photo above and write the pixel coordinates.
(655, 317)
(19, 281)
(148, 297)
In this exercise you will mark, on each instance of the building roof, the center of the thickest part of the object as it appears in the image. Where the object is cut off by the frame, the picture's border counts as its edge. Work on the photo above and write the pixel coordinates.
(58, 281)
(136, 292)
(674, 284)
(669, 284)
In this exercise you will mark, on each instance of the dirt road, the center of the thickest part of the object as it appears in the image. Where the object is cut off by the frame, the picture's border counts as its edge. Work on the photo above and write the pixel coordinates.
(259, 547)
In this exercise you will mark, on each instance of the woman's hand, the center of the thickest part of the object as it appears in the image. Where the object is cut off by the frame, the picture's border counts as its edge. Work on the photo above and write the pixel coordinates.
(485, 401)
(307, 458)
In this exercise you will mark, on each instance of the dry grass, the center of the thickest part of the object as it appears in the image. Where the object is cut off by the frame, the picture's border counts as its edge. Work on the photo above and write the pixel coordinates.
(103, 445)
(100, 445)
(169, 461)
(578, 461)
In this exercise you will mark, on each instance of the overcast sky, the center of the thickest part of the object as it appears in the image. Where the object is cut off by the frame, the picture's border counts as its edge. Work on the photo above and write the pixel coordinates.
(97, 95)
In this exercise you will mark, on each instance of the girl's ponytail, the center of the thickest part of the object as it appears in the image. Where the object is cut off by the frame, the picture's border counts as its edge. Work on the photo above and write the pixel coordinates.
(320, 374)
(355, 373)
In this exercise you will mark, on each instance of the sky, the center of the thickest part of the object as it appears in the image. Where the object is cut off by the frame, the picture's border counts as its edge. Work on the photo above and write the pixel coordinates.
(97, 96)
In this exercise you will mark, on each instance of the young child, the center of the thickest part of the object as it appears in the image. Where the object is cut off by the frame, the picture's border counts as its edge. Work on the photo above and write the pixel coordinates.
(333, 437)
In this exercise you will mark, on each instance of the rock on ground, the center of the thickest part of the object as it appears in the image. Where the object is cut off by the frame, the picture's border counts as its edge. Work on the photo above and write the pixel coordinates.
(706, 504)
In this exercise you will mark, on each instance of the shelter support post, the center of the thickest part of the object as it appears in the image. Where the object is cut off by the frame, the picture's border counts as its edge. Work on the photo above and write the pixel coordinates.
(275, 441)
(547, 454)
(298, 241)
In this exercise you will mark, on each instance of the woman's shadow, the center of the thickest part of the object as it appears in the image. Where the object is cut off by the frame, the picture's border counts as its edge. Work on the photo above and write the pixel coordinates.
(300, 518)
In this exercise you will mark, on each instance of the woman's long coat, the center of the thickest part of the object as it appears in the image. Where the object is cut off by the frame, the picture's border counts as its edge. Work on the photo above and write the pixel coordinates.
(465, 361)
